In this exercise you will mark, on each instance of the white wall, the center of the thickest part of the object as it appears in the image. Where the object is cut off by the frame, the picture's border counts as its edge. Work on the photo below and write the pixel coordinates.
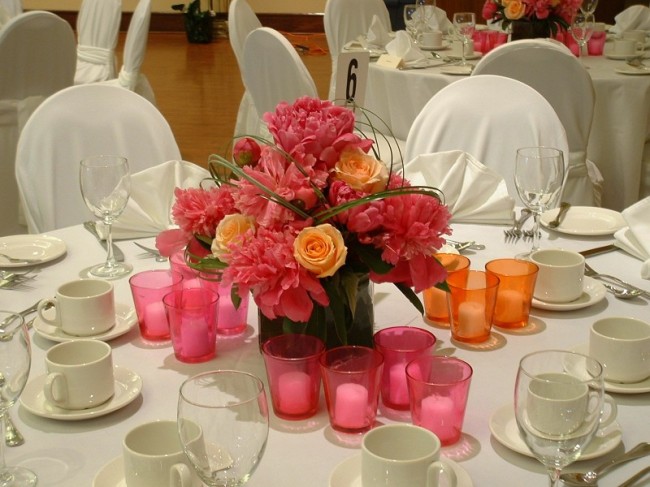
(164, 6)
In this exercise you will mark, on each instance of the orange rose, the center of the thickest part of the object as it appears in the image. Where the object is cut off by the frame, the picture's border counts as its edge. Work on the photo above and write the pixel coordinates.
(320, 249)
(229, 231)
(361, 171)
(515, 10)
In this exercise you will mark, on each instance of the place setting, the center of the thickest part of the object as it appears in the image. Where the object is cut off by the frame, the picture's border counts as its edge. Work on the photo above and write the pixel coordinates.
(584, 221)
(17, 251)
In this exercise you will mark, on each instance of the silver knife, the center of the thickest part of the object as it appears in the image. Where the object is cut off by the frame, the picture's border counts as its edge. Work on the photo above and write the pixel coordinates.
(117, 253)
(599, 250)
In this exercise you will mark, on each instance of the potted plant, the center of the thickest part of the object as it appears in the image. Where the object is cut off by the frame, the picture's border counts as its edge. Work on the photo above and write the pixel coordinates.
(198, 23)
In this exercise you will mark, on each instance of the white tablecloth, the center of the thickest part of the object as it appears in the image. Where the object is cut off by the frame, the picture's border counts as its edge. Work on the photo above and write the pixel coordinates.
(619, 143)
(304, 453)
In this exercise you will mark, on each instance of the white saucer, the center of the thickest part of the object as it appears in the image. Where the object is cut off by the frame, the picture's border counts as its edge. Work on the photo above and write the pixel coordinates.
(457, 70)
(41, 247)
(634, 388)
(125, 319)
(111, 474)
(442, 47)
(128, 385)
(586, 220)
(633, 71)
(593, 292)
(348, 473)
(503, 427)
(468, 57)
(621, 57)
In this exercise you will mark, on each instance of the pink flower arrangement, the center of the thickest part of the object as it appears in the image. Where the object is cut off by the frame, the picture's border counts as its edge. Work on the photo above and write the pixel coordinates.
(557, 13)
(296, 221)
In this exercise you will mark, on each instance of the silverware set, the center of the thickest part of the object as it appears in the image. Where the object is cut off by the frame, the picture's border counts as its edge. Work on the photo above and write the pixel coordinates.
(11, 279)
(618, 287)
(151, 251)
(514, 233)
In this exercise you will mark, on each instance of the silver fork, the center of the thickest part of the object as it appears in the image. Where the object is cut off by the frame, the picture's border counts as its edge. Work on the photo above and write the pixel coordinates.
(590, 272)
(513, 234)
(152, 251)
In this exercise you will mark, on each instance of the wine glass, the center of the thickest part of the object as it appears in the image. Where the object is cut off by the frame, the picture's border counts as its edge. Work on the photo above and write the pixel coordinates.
(105, 186)
(582, 27)
(558, 406)
(15, 361)
(411, 20)
(588, 7)
(464, 25)
(231, 411)
(539, 176)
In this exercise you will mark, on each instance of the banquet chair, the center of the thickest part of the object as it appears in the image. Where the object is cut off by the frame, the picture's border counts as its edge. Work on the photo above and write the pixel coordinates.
(76, 122)
(12, 8)
(135, 47)
(98, 25)
(344, 21)
(489, 117)
(241, 22)
(37, 55)
(528, 61)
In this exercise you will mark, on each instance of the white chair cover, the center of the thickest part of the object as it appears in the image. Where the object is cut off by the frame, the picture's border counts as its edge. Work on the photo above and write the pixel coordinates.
(4, 16)
(344, 21)
(528, 61)
(135, 47)
(635, 17)
(98, 25)
(37, 55)
(74, 123)
(12, 8)
(489, 117)
(241, 22)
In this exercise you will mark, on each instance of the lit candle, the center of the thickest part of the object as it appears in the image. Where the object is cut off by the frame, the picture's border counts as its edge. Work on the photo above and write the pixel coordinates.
(435, 304)
(294, 392)
(471, 319)
(350, 406)
(438, 415)
(509, 307)
(195, 338)
(399, 393)
(155, 319)
(229, 316)
(191, 282)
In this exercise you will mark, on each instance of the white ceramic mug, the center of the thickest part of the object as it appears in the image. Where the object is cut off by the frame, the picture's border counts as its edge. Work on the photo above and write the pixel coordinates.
(153, 457)
(430, 39)
(560, 276)
(559, 404)
(399, 455)
(80, 374)
(84, 307)
(622, 345)
(638, 36)
(624, 47)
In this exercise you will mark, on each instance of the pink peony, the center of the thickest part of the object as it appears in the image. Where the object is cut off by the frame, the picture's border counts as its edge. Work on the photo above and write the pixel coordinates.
(489, 9)
(246, 152)
(420, 272)
(168, 242)
(199, 211)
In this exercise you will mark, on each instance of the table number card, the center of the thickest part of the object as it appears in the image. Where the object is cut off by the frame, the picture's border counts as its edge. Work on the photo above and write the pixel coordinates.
(351, 78)
(389, 61)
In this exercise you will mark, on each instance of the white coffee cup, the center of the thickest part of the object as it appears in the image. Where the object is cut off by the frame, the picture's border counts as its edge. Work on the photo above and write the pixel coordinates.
(622, 345)
(80, 374)
(624, 47)
(153, 457)
(84, 307)
(638, 36)
(430, 39)
(398, 455)
(560, 277)
(558, 404)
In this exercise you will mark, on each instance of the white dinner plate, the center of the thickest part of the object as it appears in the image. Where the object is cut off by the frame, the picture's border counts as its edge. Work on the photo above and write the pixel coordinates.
(633, 71)
(469, 57)
(457, 70)
(503, 427)
(111, 474)
(128, 385)
(348, 473)
(593, 292)
(125, 319)
(42, 247)
(634, 388)
(586, 220)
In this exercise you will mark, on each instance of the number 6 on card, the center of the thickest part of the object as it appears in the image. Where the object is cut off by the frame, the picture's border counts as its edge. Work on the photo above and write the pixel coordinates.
(351, 77)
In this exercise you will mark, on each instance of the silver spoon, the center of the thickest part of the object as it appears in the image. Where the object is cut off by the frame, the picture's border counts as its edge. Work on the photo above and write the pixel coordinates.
(564, 207)
(635, 477)
(591, 477)
(622, 293)
(14, 260)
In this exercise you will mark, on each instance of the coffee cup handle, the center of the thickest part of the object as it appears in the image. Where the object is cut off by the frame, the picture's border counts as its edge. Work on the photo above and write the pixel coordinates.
(56, 388)
(47, 302)
(436, 470)
(180, 476)
(605, 421)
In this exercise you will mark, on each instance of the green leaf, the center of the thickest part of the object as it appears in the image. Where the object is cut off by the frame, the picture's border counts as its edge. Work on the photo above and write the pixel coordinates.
(443, 286)
(411, 296)
(350, 282)
(337, 307)
(370, 256)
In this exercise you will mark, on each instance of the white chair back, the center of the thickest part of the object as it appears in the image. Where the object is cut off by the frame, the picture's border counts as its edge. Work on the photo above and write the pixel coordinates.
(345, 20)
(74, 123)
(98, 25)
(489, 117)
(12, 8)
(528, 61)
(37, 55)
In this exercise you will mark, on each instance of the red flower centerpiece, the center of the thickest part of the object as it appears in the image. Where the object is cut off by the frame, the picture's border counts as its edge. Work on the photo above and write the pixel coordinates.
(304, 222)
(544, 17)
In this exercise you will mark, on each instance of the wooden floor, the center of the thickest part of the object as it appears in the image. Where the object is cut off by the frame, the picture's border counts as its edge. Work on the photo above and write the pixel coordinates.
(198, 88)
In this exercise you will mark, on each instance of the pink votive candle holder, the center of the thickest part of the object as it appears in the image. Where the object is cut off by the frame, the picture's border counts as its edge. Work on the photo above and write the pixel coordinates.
(438, 390)
(190, 276)
(192, 315)
(232, 318)
(293, 371)
(596, 44)
(399, 345)
(472, 300)
(436, 308)
(351, 379)
(148, 289)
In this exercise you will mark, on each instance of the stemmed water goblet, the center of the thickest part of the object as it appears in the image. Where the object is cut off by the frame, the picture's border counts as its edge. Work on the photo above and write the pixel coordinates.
(558, 406)
(230, 409)
(105, 186)
(411, 20)
(15, 362)
(588, 7)
(582, 27)
(464, 25)
(539, 177)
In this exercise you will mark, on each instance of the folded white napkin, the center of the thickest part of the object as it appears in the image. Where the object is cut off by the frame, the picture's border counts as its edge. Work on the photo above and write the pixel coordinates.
(403, 47)
(378, 35)
(435, 17)
(148, 211)
(473, 192)
(634, 17)
(635, 238)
